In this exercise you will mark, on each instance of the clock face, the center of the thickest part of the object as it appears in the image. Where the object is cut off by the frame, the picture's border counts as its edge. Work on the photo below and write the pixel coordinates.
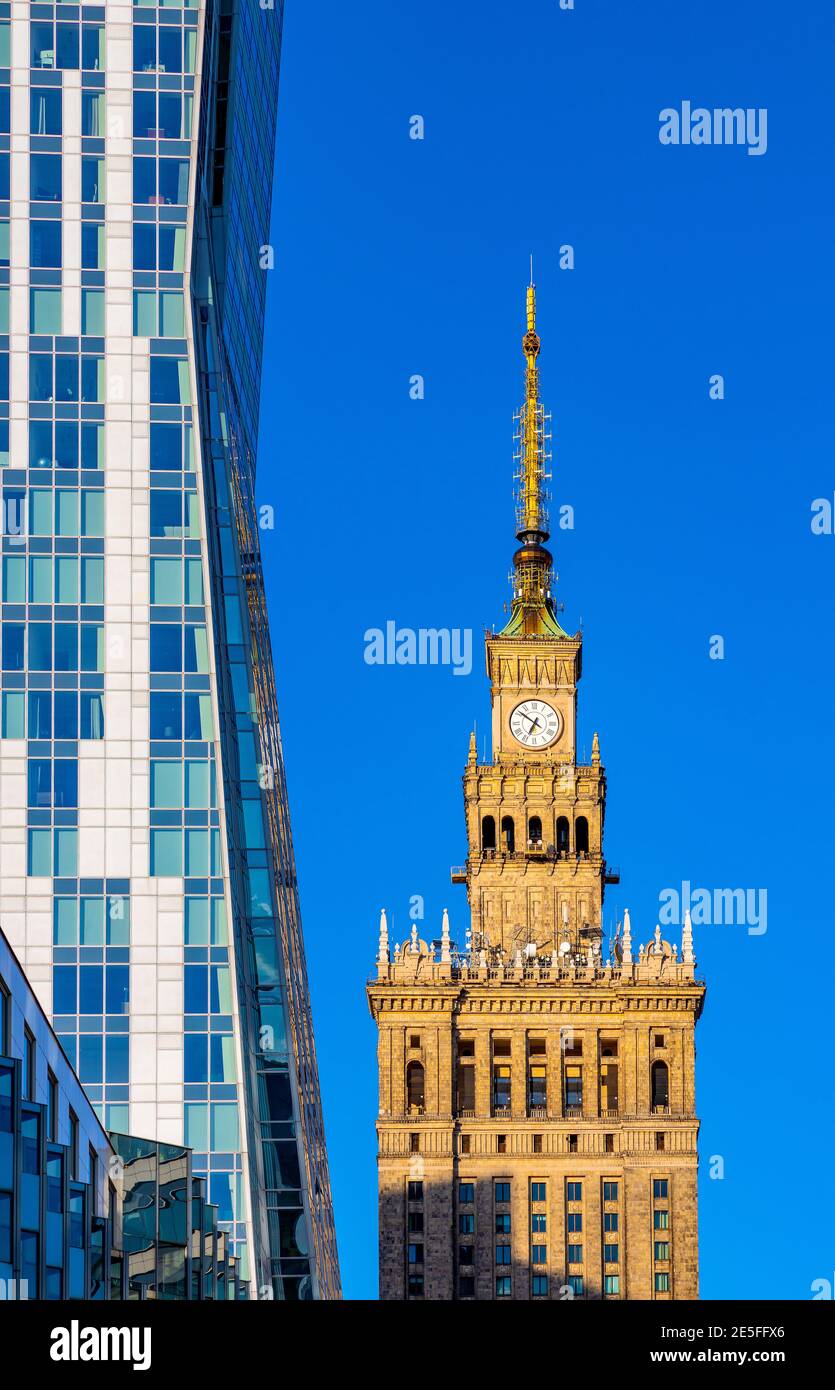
(535, 724)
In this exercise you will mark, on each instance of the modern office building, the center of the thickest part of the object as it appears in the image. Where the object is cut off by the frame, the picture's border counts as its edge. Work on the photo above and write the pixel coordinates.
(537, 1124)
(147, 879)
(84, 1214)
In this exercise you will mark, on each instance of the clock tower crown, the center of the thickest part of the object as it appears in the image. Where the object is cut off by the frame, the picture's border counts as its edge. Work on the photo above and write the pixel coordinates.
(533, 664)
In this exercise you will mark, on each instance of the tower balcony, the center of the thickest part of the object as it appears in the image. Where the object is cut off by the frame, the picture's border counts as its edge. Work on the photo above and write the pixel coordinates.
(536, 851)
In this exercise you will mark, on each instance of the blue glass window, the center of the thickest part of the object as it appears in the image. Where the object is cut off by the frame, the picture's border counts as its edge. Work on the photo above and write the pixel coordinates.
(45, 178)
(66, 45)
(91, 989)
(42, 40)
(166, 581)
(117, 1059)
(66, 714)
(66, 853)
(5, 1224)
(169, 381)
(45, 247)
(167, 715)
(197, 717)
(166, 647)
(40, 714)
(144, 180)
(172, 180)
(40, 782)
(66, 647)
(144, 48)
(144, 239)
(29, 1241)
(64, 989)
(171, 48)
(40, 646)
(41, 388)
(45, 110)
(92, 246)
(13, 646)
(66, 782)
(196, 650)
(90, 1060)
(118, 989)
(92, 647)
(166, 512)
(196, 1063)
(166, 447)
(92, 47)
(92, 580)
(196, 989)
(166, 853)
(92, 715)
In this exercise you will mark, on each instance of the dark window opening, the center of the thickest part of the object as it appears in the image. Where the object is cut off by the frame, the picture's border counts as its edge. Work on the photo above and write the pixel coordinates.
(508, 835)
(660, 1086)
(488, 832)
(581, 835)
(562, 835)
(466, 1087)
(415, 1086)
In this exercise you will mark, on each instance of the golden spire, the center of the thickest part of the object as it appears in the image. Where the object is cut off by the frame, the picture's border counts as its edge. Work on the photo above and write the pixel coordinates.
(532, 610)
(531, 431)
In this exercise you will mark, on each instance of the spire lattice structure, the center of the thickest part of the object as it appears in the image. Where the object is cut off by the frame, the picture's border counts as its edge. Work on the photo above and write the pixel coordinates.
(533, 611)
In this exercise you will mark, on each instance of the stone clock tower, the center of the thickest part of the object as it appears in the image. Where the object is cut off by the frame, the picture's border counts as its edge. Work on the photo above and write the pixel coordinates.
(537, 1127)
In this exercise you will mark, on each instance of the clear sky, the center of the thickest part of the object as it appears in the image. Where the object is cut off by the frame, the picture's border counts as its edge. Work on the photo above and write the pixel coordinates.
(692, 517)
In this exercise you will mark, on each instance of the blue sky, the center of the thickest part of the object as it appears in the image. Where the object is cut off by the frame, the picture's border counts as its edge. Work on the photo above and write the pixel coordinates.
(692, 516)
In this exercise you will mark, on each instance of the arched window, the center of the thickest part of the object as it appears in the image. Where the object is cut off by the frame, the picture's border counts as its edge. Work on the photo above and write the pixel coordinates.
(508, 835)
(581, 835)
(660, 1086)
(562, 835)
(488, 832)
(415, 1094)
(535, 830)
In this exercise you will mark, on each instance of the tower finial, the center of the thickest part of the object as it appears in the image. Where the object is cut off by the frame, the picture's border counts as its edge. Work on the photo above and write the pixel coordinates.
(446, 957)
(533, 612)
(626, 947)
(383, 950)
(687, 940)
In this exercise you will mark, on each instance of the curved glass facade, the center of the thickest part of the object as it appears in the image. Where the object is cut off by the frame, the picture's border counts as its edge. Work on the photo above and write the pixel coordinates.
(146, 865)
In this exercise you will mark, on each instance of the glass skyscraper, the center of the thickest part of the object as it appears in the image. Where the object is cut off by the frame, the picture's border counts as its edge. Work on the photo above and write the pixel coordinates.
(147, 880)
